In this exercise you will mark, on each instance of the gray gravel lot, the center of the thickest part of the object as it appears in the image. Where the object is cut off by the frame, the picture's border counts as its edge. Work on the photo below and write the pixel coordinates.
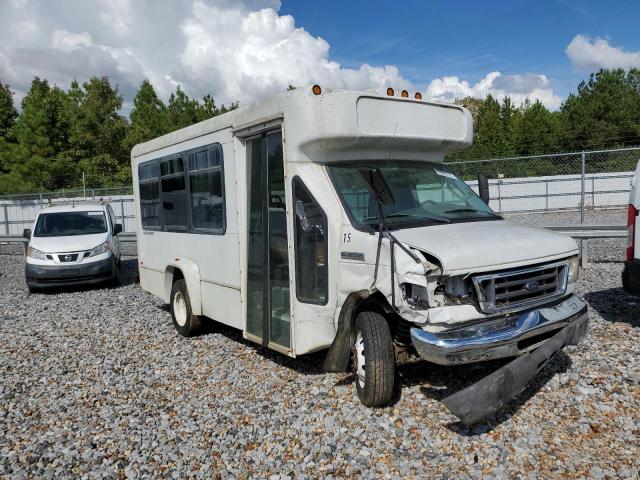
(96, 383)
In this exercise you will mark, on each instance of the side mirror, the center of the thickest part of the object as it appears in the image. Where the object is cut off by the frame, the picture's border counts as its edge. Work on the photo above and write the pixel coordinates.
(117, 228)
(26, 233)
(483, 188)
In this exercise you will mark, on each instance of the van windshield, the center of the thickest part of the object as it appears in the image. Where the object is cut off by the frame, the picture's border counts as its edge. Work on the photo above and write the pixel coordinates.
(63, 224)
(424, 193)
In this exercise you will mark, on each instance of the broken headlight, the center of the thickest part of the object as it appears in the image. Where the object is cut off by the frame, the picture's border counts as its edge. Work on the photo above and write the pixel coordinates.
(416, 296)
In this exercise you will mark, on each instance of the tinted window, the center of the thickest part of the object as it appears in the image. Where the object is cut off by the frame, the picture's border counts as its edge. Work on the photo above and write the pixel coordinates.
(70, 223)
(310, 246)
(207, 189)
(174, 195)
(149, 195)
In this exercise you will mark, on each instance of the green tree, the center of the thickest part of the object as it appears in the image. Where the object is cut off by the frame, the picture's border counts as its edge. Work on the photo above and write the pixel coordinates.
(42, 136)
(148, 116)
(97, 141)
(605, 112)
(539, 130)
(8, 112)
(182, 110)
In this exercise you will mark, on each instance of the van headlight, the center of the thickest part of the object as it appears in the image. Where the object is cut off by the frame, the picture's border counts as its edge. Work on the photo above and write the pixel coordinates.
(100, 249)
(574, 269)
(35, 253)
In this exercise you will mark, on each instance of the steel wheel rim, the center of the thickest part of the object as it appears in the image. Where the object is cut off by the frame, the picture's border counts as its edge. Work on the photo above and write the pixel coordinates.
(180, 309)
(361, 373)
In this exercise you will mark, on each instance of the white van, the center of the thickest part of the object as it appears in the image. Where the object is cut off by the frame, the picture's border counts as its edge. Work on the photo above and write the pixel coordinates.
(73, 244)
(631, 272)
(325, 219)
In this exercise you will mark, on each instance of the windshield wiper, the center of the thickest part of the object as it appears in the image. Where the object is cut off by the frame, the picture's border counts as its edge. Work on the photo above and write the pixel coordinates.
(417, 217)
(456, 210)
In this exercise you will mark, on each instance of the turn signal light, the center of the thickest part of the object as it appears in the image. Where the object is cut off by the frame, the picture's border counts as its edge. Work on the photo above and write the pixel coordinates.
(404, 94)
(390, 92)
(316, 90)
(632, 214)
(418, 96)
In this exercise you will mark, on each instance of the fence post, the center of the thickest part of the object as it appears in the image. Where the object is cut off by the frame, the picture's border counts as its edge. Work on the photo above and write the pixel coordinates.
(6, 218)
(593, 193)
(122, 212)
(583, 242)
(499, 196)
(582, 186)
(546, 195)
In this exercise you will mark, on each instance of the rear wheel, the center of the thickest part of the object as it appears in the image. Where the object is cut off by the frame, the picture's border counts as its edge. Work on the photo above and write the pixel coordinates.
(373, 359)
(185, 322)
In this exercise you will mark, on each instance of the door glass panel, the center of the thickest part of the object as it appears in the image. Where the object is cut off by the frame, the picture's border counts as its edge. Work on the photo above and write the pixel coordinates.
(278, 251)
(255, 239)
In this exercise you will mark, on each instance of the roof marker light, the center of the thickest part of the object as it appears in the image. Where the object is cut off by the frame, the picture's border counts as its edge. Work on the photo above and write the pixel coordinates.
(316, 90)
(404, 94)
(390, 92)
(418, 96)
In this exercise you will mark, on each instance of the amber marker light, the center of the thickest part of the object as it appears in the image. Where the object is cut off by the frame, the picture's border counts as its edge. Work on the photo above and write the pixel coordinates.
(390, 92)
(316, 90)
(418, 96)
(404, 94)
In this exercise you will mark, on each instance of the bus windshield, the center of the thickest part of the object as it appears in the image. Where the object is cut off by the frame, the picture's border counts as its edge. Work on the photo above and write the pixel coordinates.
(424, 193)
(62, 224)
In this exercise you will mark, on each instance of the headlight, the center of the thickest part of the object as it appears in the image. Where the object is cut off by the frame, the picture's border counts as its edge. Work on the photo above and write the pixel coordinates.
(35, 253)
(574, 269)
(102, 248)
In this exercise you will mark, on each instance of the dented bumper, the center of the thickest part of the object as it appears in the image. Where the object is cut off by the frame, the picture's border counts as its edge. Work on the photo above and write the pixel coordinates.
(506, 336)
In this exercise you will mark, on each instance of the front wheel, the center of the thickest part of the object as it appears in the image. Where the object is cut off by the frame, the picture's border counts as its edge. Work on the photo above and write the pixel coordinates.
(186, 323)
(374, 361)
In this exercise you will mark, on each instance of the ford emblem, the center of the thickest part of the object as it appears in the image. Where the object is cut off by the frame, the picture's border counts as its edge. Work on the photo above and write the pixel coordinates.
(532, 286)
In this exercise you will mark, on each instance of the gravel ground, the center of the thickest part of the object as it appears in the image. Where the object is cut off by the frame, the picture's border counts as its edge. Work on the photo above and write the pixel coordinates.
(96, 383)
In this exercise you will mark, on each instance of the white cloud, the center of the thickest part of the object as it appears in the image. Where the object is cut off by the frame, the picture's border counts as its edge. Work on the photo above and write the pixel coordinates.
(519, 87)
(589, 54)
(236, 49)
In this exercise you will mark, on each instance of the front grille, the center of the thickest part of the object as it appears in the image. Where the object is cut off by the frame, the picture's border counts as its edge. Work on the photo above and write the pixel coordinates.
(67, 257)
(516, 289)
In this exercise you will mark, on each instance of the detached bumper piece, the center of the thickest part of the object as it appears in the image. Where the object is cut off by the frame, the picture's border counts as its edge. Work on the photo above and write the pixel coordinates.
(631, 277)
(41, 276)
(507, 336)
(484, 398)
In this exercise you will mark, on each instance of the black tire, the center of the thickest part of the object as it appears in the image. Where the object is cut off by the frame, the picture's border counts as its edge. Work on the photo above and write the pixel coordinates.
(189, 324)
(376, 389)
(115, 280)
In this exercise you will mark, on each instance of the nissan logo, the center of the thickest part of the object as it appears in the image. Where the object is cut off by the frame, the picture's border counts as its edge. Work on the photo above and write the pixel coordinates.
(532, 286)
(67, 258)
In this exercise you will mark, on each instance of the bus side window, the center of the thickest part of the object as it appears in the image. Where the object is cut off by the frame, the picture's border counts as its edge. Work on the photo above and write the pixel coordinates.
(174, 195)
(148, 174)
(206, 186)
(310, 236)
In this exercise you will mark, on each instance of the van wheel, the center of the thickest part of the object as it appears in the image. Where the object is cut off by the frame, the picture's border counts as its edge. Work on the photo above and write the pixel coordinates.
(187, 324)
(373, 361)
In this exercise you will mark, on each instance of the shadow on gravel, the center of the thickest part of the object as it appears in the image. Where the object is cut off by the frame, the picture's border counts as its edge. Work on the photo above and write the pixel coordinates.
(310, 364)
(438, 382)
(614, 305)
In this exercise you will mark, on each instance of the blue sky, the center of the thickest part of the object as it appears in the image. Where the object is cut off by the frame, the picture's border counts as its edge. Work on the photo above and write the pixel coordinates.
(427, 40)
(246, 50)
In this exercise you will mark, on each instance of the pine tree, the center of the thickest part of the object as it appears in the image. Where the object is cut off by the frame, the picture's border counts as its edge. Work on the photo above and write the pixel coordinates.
(148, 116)
(8, 112)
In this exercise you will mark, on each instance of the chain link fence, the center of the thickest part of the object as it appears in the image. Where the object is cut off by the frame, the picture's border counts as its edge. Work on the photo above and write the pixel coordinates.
(574, 187)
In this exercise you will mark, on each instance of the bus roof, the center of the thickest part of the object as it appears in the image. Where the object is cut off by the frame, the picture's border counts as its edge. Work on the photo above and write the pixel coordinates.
(341, 125)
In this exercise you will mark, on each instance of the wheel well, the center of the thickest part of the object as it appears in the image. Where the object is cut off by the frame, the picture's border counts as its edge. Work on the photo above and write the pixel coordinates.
(171, 275)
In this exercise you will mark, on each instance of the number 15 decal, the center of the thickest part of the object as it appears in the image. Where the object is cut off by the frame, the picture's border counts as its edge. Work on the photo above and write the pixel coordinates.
(346, 237)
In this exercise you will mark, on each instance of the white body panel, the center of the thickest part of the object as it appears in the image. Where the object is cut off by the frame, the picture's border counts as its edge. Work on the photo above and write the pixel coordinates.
(331, 127)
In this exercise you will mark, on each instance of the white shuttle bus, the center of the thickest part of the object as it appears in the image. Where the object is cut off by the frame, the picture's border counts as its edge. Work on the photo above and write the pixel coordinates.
(326, 220)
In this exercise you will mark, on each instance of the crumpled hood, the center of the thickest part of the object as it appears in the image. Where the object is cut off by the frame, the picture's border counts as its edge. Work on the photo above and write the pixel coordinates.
(73, 243)
(480, 246)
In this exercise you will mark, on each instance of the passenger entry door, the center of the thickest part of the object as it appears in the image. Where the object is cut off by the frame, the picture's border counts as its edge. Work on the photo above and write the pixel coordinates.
(268, 306)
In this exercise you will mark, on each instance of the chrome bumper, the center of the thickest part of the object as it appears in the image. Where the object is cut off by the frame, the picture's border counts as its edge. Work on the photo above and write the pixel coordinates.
(506, 336)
